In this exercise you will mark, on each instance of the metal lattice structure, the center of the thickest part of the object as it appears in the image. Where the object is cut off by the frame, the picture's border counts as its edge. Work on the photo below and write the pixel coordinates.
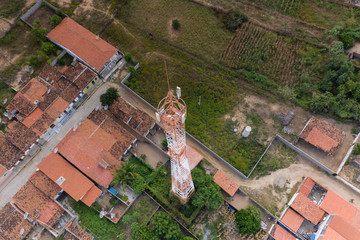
(171, 114)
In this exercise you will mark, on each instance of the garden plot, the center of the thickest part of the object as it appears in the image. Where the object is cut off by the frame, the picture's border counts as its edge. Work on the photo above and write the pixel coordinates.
(257, 49)
(220, 225)
(43, 14)
(287, 7)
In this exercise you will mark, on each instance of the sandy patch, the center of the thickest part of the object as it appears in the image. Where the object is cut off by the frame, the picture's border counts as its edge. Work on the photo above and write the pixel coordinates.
(4, 27)
(172, 32)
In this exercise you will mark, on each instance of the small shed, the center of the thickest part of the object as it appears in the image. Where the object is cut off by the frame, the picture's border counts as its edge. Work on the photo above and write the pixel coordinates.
(226, 183)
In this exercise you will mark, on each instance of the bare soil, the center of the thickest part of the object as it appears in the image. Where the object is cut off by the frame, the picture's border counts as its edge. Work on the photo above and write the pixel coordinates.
(43, 14)
(153, 155)
(351, 173)
(4, 27)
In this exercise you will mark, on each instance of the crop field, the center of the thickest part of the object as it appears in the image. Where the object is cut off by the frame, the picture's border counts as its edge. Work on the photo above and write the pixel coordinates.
(287, 7)
(257, 49)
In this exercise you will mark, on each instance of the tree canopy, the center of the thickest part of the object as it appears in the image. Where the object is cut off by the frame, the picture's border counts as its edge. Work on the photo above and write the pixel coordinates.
(165, 227)
(249, 220)
(109, 97)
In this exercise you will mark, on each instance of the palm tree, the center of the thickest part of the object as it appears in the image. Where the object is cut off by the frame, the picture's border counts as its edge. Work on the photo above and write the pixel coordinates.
(124, 175)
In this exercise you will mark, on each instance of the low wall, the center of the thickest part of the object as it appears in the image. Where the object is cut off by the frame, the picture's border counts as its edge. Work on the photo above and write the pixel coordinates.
(342, 3)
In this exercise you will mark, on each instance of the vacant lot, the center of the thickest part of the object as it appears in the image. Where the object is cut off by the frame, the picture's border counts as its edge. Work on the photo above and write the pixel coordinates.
(42, 14)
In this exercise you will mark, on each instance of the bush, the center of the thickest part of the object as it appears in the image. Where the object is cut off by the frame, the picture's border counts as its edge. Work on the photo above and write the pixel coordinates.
(355, 130)
(233, 19)
(59, 12)
(249, 220)
(128, 57)
(138, 185)
(176, 24)
(33, 61)
(127, 219)
(347, 40)
(141, 232)
(357, 149)
(109, 97)
(165, 227)
(164, 144)
(38, 32)
(113, 201)
(48, 48)
(55, 20)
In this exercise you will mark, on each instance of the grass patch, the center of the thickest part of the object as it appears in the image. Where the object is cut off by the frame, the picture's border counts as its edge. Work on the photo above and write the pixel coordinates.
(5, 93)
(11, 8)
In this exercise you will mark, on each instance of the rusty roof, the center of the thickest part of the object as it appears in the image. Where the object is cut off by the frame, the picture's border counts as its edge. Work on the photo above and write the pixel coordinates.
(45, 184)
(292, 220)
(308, 209)
(20, 136)
(307, 186)
(334, 204)
(32, 200)
(9, 153)
(66, 176)
(77, 231)
(323, 135)
(338, 228)
(226, 183)
(135, 118)
(86, 45)
(98, 138)
(282, 234)
(12, 224)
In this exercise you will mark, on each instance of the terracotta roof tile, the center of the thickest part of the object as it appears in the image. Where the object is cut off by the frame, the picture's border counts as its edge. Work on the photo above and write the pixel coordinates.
(306, 186)
(341, 228)
(80, 75)
(9, 153)
(3, 170)
(282, 234)
(42, 124)
(308, 209)
(226, 183)
(40, 207)
(45, 184)
(292, 220)
(193, 156)
(22, 104)
(90, 48)
(21, 136)
(334, 204)
(323, 135)
(57, 108)
(50, 74)
(98, 138)
(74, 182)
(32, 117)
(91, 196)
(77, 231)
(12, 224)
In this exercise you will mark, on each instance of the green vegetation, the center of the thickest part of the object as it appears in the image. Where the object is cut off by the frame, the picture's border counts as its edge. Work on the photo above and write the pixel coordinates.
(48, 48)
(287, 7)
(248, 220)
(165, 227)
(141, 231)
(109, 97)
(128, 57)
(33, 61)
(164, 144)
(124, 175)
(11, 8)
(176, 24)
(55, 20)
(357, 149)
(233, 19)
(38, 32)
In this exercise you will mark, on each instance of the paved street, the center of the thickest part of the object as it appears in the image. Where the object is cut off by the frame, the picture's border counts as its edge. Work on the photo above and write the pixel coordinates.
(14, 180)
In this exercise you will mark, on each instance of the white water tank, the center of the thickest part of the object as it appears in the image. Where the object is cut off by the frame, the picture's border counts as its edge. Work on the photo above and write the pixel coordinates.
(246, 132)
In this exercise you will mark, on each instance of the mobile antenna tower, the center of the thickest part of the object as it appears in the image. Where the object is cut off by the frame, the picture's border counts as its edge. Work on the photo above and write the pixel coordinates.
(171, 113)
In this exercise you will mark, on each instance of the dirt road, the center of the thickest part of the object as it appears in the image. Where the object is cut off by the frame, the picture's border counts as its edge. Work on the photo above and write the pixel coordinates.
(17, 178)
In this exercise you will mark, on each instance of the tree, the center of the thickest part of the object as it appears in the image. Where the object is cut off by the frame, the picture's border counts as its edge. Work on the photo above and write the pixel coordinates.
(48, 48)
(233, 19)
(347, 40)
(109, 97)
(38, 32)
(249, 220)
(176, 24)
(165, 227)
(55, 20)
(124, 175)
(33, 61)
(128, 57)
(164, 144)
(207, 192)
(357, 149)
(138, 185)
(141, 232)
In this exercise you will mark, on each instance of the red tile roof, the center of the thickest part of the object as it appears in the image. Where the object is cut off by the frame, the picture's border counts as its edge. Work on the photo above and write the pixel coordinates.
(334, 204)
(308, 209)
(20, 136)
(292, 220)
(74, 182)
(86, 45)
(32, 117)
(323, 135)
(39, 206)
(282, 234)
(57, 107)
(193, 156)
(45, 184)
(12, 224)
(91, 196)
(9, 153)
(3, 170)
(77, 231)
(226, 183)
(306, 186)
(338, 228)
(96, 140)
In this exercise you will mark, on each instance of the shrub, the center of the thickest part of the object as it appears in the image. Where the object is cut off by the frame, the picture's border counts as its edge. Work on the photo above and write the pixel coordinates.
(113, 201)
(96, 206)
(109, 97)
(122, 236)
(141, 232)
(48, 48)
(249, 220)
(128, 57)
(138, 185)
(233, 19)
(127, 219)
(357, 149)
(165, 227)
(355, 130)
(164, 144)
(347, 40)
(33, 61)
(176, 24)
(55, 20)
(38, 32)
(59, 12)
